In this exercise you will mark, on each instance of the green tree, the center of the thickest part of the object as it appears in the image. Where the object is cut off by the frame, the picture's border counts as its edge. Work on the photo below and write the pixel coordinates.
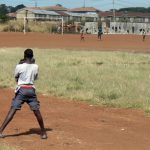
(14, 9)
(3, 12)
(135, 9)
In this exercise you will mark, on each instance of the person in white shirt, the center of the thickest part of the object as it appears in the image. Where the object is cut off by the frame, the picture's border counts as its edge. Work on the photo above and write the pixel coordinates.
(26, 72)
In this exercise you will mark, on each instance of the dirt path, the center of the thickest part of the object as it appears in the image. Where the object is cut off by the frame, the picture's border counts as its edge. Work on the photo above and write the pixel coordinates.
(109, 42)
(76, 126)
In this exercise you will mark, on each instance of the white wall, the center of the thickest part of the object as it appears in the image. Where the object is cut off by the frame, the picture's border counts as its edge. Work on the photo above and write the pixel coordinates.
(123, 27)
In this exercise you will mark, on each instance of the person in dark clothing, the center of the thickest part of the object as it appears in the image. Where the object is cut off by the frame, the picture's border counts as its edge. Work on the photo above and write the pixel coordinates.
(143, 35)
(100, 32)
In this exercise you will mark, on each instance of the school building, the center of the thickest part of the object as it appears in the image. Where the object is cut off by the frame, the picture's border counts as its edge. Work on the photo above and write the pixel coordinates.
(47, 13)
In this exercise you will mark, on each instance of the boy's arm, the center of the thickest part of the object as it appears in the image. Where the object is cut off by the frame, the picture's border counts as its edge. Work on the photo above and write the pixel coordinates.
(16, 75)
(36, 73)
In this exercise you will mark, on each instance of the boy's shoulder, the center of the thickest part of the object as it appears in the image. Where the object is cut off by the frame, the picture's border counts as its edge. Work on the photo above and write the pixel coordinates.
(26, 64)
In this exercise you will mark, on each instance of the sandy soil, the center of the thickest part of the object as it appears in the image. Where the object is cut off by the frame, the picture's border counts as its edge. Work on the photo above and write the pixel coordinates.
(75, 125)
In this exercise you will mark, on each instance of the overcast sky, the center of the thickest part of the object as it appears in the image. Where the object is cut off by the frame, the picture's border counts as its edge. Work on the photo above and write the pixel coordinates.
(100, 4)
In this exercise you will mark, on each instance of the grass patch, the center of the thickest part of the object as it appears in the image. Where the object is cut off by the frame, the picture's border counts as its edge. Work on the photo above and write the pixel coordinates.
(117, 79)
(6, 147)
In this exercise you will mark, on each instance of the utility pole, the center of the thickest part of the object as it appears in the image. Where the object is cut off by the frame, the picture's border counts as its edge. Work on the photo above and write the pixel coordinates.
(84, 4)
(114, 13)
(35, 3)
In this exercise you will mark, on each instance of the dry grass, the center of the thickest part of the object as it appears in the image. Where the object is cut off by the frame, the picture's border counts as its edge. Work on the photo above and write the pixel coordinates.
(7, 147)
(32, 26)
(115, 79)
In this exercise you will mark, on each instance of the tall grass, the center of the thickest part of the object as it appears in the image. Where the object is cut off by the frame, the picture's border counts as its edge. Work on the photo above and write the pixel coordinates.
(115, 79)
(32, 26)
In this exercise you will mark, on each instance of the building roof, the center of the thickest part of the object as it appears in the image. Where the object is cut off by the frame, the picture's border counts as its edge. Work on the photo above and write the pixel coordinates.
(44, 12)
(84, 9)
(121, 14)
(55, 8)
(82, 15)
(40, 11)
(109, 14)
(138, 14)
(62, 13)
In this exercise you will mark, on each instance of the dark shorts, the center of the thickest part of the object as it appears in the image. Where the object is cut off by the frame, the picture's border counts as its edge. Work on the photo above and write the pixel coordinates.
(27, 95)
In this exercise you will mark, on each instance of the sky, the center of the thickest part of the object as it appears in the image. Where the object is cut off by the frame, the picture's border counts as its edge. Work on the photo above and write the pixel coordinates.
(99, 4)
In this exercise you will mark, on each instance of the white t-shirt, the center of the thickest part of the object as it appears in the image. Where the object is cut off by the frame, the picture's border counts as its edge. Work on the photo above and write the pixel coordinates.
(26, 73)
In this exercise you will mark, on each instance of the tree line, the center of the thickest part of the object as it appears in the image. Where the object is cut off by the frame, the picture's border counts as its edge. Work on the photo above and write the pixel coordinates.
(135, 9)
(4, 10)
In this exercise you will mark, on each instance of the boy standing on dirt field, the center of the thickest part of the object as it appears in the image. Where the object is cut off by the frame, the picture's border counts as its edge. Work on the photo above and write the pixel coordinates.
(82, 36)
(100, 32)
(143, 35)
(25, 74)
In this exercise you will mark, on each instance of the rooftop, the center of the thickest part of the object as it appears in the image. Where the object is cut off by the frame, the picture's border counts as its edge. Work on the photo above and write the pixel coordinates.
(120, 14)
(55, 8)
(41, 11)
(84, 9)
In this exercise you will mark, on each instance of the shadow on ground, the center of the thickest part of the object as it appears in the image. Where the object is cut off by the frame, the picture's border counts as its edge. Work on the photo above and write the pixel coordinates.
(31, 131)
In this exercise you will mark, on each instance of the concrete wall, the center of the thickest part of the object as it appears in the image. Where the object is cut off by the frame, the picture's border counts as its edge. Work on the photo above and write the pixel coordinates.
(92, 27)
(128, 28)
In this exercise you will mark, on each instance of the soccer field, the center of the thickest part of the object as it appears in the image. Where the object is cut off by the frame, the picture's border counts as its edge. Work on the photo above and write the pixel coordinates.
(132, 43)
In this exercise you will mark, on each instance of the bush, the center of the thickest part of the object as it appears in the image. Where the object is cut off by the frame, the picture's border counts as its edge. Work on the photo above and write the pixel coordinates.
(12, 26)
(32, 26)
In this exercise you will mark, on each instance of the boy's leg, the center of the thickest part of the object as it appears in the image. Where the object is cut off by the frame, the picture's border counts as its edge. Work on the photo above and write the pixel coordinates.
(99, 36)
(8, 118)
(41, 123)
(144, 38)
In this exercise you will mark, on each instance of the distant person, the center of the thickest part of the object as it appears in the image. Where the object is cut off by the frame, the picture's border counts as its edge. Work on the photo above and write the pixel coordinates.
(87, 30)
(58, 29)
(133, 28)
(82, 38)
(143, 35)
(25, 74)
(100, 32)
(106, 30)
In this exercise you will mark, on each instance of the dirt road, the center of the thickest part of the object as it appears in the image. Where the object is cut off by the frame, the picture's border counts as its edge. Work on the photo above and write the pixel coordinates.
(76, 126)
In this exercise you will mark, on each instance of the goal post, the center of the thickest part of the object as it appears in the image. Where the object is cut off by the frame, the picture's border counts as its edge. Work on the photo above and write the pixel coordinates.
(36, 18)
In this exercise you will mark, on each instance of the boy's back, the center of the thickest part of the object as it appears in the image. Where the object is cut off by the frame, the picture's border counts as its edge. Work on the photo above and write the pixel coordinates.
(26, 73)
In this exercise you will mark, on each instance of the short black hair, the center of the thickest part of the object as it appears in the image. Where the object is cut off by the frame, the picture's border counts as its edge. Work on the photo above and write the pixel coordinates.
(28, 53)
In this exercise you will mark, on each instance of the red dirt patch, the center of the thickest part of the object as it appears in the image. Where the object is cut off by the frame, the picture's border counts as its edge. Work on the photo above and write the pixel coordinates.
(132, 43)
(76, 126)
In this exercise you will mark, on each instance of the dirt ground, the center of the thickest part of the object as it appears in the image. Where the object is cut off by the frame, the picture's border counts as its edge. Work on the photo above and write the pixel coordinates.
(74, 125)
(132, 43)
